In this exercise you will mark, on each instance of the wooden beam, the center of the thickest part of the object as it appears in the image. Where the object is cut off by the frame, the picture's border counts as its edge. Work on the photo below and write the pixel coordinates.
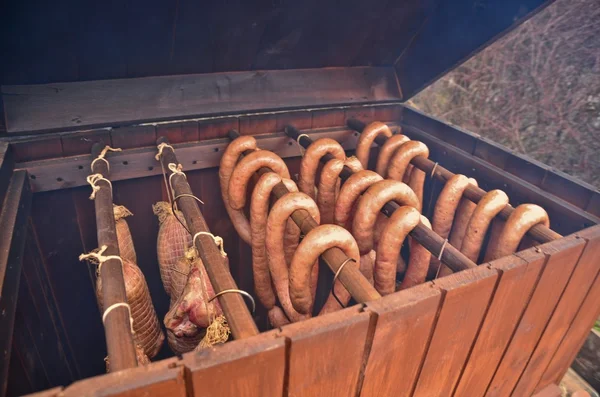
(13, 219)
(68, 106)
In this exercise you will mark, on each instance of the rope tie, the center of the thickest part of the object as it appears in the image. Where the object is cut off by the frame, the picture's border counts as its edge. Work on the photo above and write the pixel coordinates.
(160, 148)
(217, 239)
(103, 154)
(116, 305)
(176, 169)
(442, 249)
(98, 257)
(433, 169)
(93, 181)
(302, 150)
(335, 277)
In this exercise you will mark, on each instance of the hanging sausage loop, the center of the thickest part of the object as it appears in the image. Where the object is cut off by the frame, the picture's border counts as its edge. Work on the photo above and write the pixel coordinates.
(217, 239)
(103, 154)
(237, 291)
(174, 203)
(93, 181)
(339, 270)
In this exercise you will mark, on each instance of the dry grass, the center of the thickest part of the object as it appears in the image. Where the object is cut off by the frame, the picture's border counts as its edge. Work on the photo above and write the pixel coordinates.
(537, 90)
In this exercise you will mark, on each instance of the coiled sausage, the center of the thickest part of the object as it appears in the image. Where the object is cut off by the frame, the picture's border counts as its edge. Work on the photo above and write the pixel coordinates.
(351, 190)
(230, 158)
(488, 207)
(400, 162)
(281, 211)
(387, 150)
(310, 162)
(366, 139)
(523, 218)
(418, 261)
(371, 202)
(245, 169)
(317, 241)
(259, 208)
(329, 185)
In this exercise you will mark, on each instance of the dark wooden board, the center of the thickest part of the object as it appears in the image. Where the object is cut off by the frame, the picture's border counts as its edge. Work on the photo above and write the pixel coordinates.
(47, 393)
(581, 280)
(465, 300)
(518, 277)
(340, 337)
(113, 103)
(562, 256)
(405, 321)
(249, 367)
(7, 164)
(587, 362)
(13, 219)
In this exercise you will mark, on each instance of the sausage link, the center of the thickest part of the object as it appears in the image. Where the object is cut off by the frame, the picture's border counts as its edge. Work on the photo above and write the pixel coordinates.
(371, 202)
(488, 207)
(445, 210)
(351, 190)
(459, 227)
(310, 162)
(399, 164)
(523, 218)
(329, 185)
(281, 211)
(402, 222)
(418, 262)
(259, 208)
(245, 169)
(317, 241)
(277, 317)
(386, 152)
(366, 139)
(230, 158)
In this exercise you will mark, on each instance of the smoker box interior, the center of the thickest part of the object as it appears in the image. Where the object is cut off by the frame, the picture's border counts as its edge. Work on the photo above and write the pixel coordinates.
(513, 325)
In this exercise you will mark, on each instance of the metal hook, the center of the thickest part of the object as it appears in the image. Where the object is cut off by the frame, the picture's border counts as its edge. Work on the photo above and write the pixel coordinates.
(339, 270)
(237, 291)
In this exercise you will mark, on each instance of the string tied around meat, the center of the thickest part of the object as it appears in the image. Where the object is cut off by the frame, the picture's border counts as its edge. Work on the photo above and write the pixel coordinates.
(217, 239)
(93, 181)
(161, 147)
(103, 154)
(97, 257)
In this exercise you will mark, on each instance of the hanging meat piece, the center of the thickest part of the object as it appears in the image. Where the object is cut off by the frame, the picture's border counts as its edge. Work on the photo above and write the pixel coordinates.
(399, 164)
(126, 248)
(366, 139)
(172, 243)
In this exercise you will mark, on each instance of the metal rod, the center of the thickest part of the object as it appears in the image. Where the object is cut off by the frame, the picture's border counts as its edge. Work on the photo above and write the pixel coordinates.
(351, 277)
(117, 326)
(238, 316)
(452, 257)
(539, 233)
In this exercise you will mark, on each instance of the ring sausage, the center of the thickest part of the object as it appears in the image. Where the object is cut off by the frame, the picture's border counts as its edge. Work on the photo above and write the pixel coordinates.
(367, 265)
(245, 169)
(524, 217)
(445, 210)
(371, 202)
(231, 156)
(387, 151)
(351, 190)
(317, 241)
(399, 164)
(329, 184)
(259, 208)
(366, 139)
(281, 211)
(418, 262)
(402, 222)
(310, 162)
(488, 207)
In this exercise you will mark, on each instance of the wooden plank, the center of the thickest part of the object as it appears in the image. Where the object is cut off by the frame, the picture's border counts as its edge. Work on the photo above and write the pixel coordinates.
(81, 142)
(7, 165)
(571, 343)
(250, 367)
(37, 108)
(133, 137)
(13, 219)
(37, 149)
(70, 172)
(217, 128)
(405, 321)
(326, 353)
(258, 124)
(568, 188)
(549, 391)
(162, 378)
(466, 297)
(54, 392)
(518, 277)
(581, 280)
(328, 118)
(562, 256)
